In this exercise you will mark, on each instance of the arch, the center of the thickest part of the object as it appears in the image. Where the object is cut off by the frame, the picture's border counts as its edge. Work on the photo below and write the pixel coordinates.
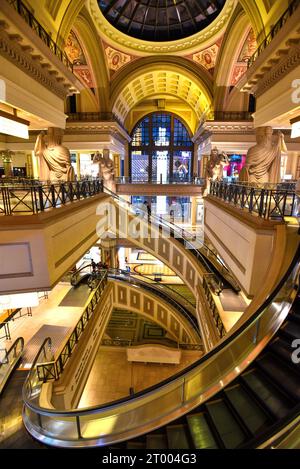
(149, 76)
(161, 147)
(256, 13)
(90, 44)
(235, 36)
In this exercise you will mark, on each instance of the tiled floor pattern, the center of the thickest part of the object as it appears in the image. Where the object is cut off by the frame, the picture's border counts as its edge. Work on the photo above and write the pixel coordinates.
(112, 375)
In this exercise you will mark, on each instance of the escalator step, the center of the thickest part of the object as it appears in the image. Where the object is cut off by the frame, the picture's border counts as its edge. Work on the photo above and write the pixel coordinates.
(157, 441)
(272, 399)
(229, 430)
(283, 349)
(281, 374)
(253, 416)
(292, 328)
(178, 437)
(200, 431)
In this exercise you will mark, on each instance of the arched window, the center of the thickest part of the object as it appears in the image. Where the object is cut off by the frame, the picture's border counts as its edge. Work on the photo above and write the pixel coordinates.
(161, 150)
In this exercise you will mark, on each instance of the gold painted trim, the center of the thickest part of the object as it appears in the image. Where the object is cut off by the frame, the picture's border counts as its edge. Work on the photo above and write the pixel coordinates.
(187, 45)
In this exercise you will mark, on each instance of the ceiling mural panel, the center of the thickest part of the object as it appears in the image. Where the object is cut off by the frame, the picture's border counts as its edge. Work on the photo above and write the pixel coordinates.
(247, 50)
(74, 50)
(76, 55)
(116, 59)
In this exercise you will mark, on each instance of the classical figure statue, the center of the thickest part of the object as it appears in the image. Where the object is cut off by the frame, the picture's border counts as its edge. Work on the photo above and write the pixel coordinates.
(263, 159)
(106, 169)
(55, 159)
(214, 169)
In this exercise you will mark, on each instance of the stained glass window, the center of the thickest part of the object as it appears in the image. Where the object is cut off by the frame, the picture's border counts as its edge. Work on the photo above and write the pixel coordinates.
(161, 150)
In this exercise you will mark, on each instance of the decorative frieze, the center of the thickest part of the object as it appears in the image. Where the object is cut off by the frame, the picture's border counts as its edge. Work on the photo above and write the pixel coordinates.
(20, 56)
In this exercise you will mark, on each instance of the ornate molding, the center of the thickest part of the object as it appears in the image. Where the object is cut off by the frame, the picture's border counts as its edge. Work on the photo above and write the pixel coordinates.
(21, 57)
(110, 128)
(289, 61)
(188, 45)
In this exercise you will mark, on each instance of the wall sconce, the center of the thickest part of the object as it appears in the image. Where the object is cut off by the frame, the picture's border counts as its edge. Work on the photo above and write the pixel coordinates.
(10, 124)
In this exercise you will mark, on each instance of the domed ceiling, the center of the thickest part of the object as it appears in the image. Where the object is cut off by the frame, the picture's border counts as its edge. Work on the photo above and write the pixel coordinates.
(160, 20)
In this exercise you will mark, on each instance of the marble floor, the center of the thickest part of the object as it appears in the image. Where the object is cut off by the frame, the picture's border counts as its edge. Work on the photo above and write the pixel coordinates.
(112, 375)
(48, 312)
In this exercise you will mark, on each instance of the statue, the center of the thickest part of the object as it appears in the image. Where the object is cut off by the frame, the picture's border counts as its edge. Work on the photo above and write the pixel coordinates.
(263, 160)
(55, 159)
(214, 169)
(106, 169)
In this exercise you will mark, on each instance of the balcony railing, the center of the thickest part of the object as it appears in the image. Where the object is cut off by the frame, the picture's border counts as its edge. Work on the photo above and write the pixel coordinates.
(274, 31)
(269, 202)
(52, 370)
(26, 14)
(38, 197)
(139, 179)
(94, 117)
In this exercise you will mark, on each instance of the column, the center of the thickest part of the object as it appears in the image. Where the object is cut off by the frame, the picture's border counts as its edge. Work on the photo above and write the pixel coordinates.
(7, 163)
(195, 169)
(109, 252)
(126, 161)
(193, 210)
(78, 165)
(117, 164)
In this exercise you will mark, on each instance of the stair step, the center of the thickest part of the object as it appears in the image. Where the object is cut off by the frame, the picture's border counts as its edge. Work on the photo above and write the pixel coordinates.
(229, 430)
(253, 416)
(157, 441)
(272, 399)
(201, 432)
(283, 349)
(281, 373)
(177, 437)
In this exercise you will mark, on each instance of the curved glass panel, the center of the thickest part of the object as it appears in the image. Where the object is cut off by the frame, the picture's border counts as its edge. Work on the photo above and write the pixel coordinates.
(160, 20)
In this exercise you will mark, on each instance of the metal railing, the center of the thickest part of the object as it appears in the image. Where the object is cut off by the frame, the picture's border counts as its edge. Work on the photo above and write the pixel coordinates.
(274, 31)
(94, 117)
(33, 384)
(138, 179)
(9, 360)
(162, 403)
(127, 343)
(53, 370)
(179, 302)
(164, 293)
(39, 197)
(33, 23)
(207, 284)
(266, 203)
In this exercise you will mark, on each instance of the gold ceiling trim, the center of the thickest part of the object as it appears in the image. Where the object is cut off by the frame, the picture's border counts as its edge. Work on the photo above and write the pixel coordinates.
(159, 82)
(187, 45)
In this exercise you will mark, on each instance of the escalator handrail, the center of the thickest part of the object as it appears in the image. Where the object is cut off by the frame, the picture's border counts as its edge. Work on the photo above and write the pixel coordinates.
(160, 222)
(19, 340)
(47, 341)
(163, 285)
(173, 378)
(165, 297)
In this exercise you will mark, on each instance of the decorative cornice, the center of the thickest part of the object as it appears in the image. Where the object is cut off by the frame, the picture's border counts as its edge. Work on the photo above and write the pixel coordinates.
(31, 65)
(210, 128)
(289, 61)
(187, 45)
(94, 128)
